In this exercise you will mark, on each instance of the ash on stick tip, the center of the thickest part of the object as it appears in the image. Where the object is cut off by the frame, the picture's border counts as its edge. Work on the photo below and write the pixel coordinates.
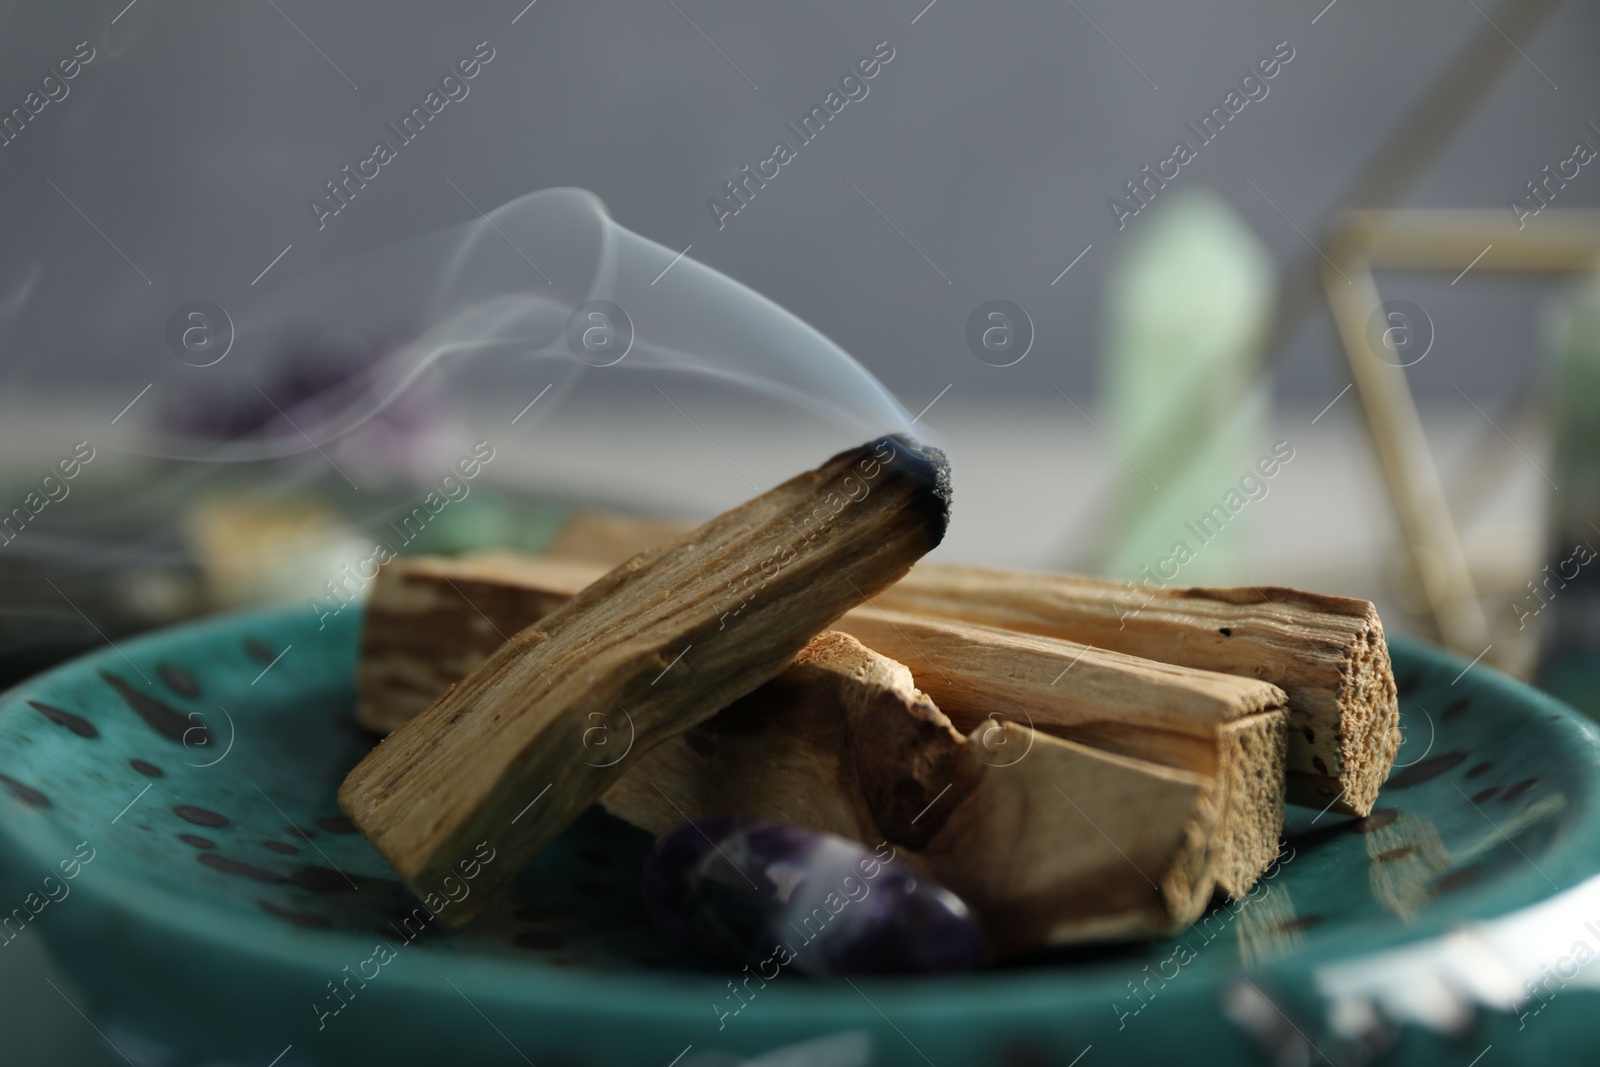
(929, 465)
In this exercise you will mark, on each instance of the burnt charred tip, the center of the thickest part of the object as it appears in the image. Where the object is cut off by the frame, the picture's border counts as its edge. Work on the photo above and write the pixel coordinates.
(931, 469)
(923, 467)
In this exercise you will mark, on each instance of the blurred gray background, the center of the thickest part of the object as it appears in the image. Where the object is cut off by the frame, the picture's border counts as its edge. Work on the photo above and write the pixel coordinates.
(992, 141)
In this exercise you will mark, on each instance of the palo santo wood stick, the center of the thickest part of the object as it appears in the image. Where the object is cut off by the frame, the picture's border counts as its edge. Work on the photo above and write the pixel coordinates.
(1061, 845)
(1219, 726)
(660, 643)
(431, 620)
(1327, 653)
(842, 741)
(1071, 844)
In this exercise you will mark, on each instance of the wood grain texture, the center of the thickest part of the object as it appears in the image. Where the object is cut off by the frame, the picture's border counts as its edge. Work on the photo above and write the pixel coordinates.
(430, 621)
(1215, 725)
(1069, 844)
(1050, 842)
(1326, 653)
(660, 643)
(1219, 726)
(842, 741)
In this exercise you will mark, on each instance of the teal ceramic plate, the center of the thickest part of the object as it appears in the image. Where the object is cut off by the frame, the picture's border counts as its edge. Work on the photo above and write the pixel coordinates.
(220, 908)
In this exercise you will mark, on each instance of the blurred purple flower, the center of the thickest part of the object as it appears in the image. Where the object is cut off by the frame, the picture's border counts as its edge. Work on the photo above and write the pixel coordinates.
(319, 389)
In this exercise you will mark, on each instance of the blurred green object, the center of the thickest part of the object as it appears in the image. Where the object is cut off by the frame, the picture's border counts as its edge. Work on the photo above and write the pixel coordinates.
(269, 545)
(489, 519)
(147, 545)
(1563, 599)
(1190, 307)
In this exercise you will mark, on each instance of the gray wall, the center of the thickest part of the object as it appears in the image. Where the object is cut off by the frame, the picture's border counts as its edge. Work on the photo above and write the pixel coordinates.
(993, 140)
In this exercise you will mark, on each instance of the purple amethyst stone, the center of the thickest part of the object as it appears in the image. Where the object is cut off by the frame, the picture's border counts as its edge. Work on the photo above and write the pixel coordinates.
(776, 895)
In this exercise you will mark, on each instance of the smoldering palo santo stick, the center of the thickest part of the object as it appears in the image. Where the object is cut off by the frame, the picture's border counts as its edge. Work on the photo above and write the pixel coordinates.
(429, 621)
(660, 643)
(1327, 653)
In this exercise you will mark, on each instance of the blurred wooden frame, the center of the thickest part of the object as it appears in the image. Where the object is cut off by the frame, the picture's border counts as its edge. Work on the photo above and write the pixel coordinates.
(1463, 242)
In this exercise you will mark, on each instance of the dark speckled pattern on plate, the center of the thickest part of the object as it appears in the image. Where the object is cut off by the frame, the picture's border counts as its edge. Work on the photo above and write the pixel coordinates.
(203, 767)
(257, 829)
